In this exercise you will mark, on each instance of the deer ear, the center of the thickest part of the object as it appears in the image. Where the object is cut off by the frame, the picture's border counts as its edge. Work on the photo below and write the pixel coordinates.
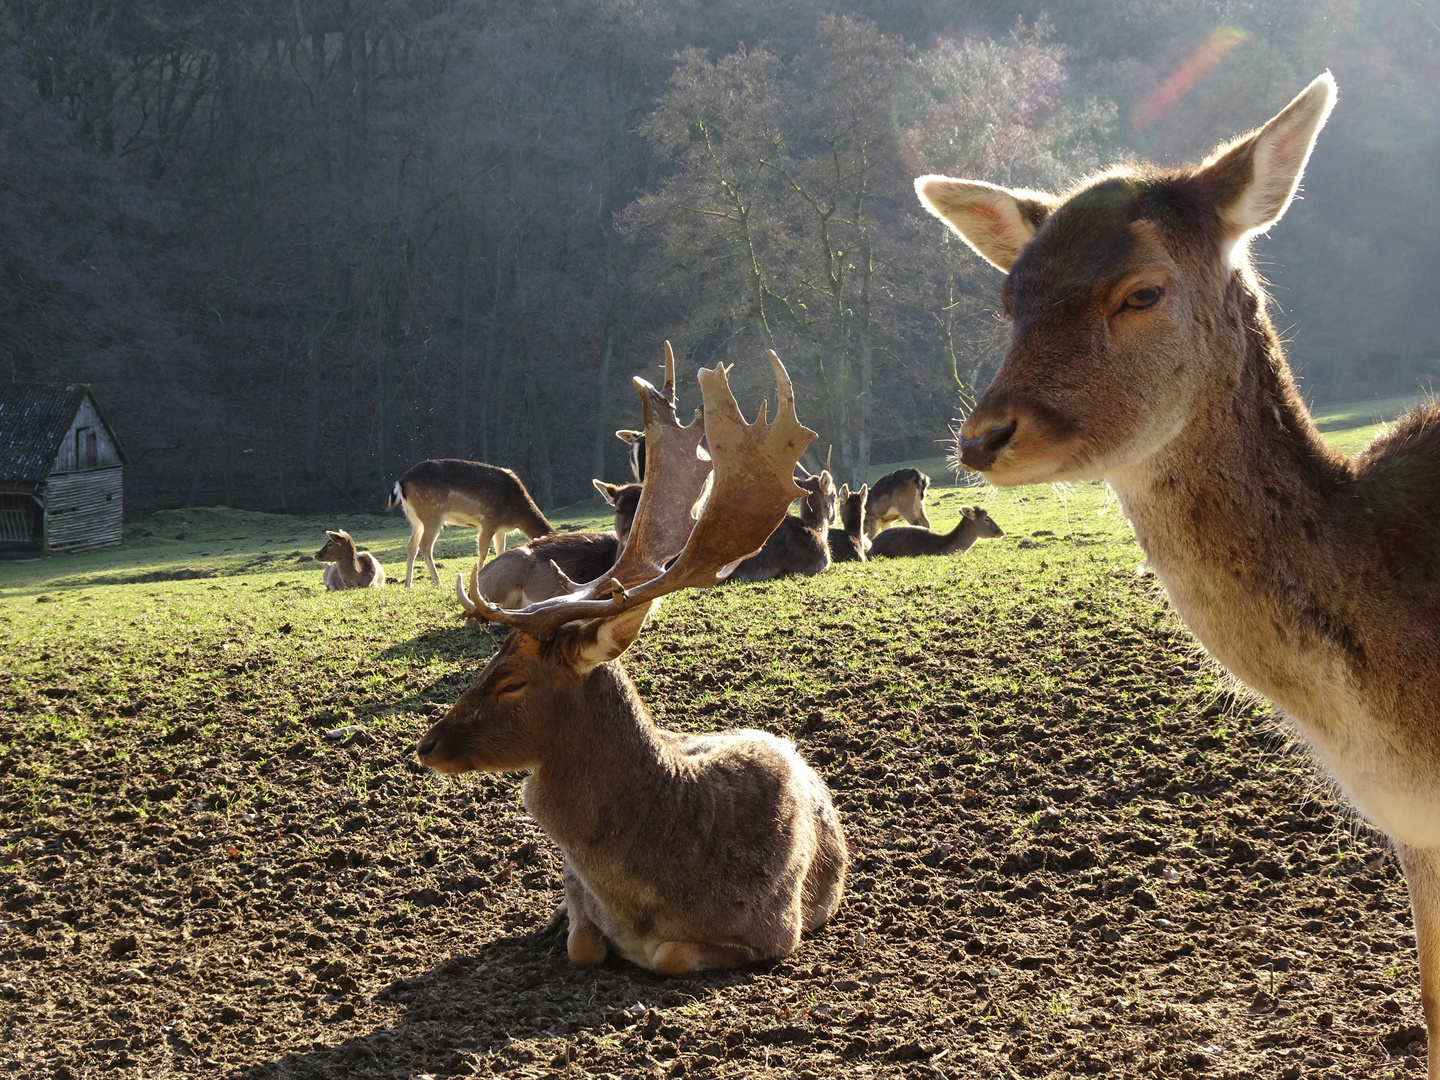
(997, 222)
(627, 435)
(607, 491)
(603, 640)
(968, 511)
(1253, 179)
(333, 535)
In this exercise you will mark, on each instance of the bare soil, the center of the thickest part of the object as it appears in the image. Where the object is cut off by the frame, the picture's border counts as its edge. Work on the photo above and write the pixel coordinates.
(1123, 872)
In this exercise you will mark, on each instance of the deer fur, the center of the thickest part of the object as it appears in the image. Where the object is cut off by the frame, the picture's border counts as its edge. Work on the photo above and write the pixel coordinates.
(349, 568)
(448, 491)
(909, 540)
(681, 852)
(636, 441)
(848, 543)
(1141, 353)
(801, 545)
(896, 495)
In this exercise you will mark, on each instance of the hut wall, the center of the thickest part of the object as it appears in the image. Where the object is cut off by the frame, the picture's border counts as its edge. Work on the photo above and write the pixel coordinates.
(83, 509)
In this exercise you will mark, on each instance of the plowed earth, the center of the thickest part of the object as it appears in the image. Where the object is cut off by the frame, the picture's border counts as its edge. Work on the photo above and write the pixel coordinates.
(1074, 852)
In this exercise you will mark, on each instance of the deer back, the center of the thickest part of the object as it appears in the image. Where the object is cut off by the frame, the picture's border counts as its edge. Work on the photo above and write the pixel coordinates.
(523, 575)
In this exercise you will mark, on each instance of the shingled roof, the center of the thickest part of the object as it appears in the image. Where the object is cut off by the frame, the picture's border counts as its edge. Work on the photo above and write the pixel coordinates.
(33, 419)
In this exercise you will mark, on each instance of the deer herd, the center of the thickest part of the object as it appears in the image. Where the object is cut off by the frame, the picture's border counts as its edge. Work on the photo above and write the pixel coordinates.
(1140, 354)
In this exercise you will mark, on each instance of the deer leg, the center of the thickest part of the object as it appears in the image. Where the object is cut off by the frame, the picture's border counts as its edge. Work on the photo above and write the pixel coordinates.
(683, 957)
(415, 530)
(920, 517)
(500, 534)
(1422, 875)
(585, 944)
(427, 545)
(485, 537)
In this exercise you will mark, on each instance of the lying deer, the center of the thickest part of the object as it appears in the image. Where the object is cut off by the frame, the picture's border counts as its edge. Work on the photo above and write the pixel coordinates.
(545, 566)
(448, 491)
(1140, 353)
(801, 545)
(909, 540)
(896, 495)
(636, 439)
(349, 568)
(848, 543)
(681, 852)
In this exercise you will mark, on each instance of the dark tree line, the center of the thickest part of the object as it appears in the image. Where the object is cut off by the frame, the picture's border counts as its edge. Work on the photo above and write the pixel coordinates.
(299, 246)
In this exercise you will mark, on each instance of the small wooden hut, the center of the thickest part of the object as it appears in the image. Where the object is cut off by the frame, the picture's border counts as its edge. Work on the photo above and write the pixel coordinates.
(61, 470)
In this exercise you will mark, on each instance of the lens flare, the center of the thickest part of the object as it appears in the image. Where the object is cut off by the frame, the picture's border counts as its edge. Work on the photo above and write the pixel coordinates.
(1187, 76)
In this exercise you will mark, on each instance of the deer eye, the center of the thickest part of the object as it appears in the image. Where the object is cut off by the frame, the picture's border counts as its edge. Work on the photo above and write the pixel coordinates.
(1143, 298)
(513, 687)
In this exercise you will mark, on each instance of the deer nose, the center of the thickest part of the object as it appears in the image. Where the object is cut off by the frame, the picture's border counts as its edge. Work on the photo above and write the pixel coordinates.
(979, 453)
(426, 746)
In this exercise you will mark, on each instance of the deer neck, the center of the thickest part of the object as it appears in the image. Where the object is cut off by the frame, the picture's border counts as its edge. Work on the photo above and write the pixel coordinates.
(352, 570)
(962, 536)
(1236, 516)
(591, 793)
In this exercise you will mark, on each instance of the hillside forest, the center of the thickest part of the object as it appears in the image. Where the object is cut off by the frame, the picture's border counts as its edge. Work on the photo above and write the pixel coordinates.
(298, 246)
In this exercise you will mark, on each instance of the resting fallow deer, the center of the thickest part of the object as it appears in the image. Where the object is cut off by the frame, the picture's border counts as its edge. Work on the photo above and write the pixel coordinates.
(848, 543)
(545, 566)
(896, 495)
(1140, 353)
(909, 540)
(681, 852)
(801, 545)
(448, 491)
(349, 568)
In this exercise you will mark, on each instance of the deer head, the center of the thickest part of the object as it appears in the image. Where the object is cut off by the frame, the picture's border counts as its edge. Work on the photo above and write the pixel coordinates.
(699, 515)
(340, 547)
(1127, 298)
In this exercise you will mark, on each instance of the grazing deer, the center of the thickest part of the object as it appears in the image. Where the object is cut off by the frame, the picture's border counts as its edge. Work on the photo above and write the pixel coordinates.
(848, 543)
(801, 545)
(1140, 353)
(681, 852)
(349, 569)
(896, 495)
(546, 566)
(909, 540)
(448, 491)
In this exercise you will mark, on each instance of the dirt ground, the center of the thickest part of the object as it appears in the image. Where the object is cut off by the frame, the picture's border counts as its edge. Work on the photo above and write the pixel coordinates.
(1131, 876)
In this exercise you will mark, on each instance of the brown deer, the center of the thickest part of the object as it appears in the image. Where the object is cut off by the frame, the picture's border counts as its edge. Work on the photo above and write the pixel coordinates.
(848, 543)
(909, 540)
(448, 491)
(896, 495)
(625, 498)
(801, 545)
(1140, 352)
(349, 568)
(636, 439)
(681, 852)
(546, 566)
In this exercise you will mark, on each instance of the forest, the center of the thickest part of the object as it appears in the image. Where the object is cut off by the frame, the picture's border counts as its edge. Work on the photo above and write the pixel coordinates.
(296, 247)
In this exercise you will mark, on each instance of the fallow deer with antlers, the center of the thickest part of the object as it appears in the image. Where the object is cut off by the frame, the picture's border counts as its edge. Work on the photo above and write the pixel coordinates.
(681, 852)
(1140, 353)
(448, 491)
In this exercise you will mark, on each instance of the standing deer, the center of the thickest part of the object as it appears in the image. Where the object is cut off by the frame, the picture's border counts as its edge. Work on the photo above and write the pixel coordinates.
(848, 543)
(908, 540)
(448, 491)
(801, 545)
(349, 569)
(547, 566)
(1140, 353)
(681, 852)
(896, 495)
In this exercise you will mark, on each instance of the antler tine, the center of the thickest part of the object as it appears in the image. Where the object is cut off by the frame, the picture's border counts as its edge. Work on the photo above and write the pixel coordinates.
(752, 487)
(670, 374)
(472, 610)
(829, 450)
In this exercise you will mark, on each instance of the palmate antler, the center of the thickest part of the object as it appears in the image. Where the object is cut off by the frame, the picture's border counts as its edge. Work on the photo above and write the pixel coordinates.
(749, 469)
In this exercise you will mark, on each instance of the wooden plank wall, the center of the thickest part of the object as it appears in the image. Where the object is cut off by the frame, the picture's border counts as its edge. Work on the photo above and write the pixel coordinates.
(83, 510)
(69, 458)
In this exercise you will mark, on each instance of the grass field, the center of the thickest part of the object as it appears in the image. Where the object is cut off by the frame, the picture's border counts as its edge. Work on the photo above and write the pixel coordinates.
(1075, 851)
